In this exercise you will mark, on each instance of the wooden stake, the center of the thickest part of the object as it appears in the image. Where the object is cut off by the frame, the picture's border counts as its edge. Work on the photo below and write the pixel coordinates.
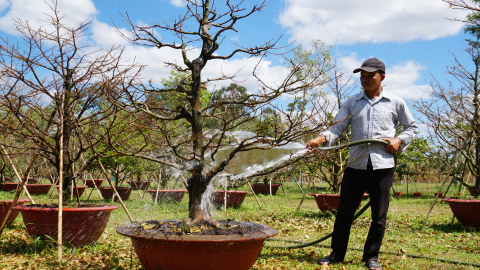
(225, 195)
(184, 181)
(270, 184)
(114, 189)
(60, 190)
(250, 186)
(158, 187)
(20, 180)
(304, 193)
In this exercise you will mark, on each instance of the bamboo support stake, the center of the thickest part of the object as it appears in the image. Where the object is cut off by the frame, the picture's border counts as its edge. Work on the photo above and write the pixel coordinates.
(270, 184)
(18, 176)
(184, 181)
(225, 195)
(250, 186)
(114, 189)
(60, 191)
(304, 193)
(17, 195)
(438, 193)
(158, 187)
(298, 185)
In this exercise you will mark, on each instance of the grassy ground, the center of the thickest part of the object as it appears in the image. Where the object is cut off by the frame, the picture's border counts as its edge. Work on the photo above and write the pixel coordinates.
(440, 238)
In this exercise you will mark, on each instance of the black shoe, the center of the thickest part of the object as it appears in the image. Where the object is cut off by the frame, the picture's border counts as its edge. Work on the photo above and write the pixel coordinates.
(372, 264)
(330, 259)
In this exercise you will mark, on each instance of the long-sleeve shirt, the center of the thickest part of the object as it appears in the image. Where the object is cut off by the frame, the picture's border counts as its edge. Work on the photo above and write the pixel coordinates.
(372, 119)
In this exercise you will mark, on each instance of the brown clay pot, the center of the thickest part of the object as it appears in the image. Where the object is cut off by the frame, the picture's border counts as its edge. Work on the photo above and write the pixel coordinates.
(139, 184)
(89, 182)
(327, 202)
(200, 252)
(399, 194)
(234, 197)
(81, 190)
(5, 205)
(440, 195)
(167, 195)
(417, 194)
(467, 211)
(108, 193)
(38, 188)
(9, 186)
(81, 226)
(264, 189)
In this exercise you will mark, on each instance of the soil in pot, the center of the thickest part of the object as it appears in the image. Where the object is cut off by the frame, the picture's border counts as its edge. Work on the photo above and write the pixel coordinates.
(83, 224)
(7, 186)
(109, 193)
(264, 189)
(90, 182)
(466, 211)
(168, 245)
(81, 190)
(172, 195)
(139, 184)
(234, 197)
(38, 188)
(5, 205)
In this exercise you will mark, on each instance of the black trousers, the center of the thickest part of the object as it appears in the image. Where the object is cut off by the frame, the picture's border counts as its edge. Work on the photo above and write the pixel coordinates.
(354, 184)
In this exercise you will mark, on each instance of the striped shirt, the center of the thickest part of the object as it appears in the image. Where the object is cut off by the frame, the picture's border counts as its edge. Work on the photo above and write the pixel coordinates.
(372, 119)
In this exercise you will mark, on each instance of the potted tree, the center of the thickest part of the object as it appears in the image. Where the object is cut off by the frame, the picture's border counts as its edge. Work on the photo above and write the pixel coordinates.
(187, 108)
(59, 113)
(460, 132)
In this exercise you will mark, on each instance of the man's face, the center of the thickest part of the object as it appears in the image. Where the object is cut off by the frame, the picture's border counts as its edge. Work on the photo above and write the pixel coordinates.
(371, 81)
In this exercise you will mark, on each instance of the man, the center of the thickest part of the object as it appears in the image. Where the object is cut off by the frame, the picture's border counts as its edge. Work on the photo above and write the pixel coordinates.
(372, 114)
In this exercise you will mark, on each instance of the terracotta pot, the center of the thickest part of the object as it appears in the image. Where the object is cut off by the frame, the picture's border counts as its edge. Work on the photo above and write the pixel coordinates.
(234, 197)
(200, 252)
(89, 182)
(38, 188)
(399, 194)
(139, 184)
(417, 194)
(168, 195)
(467, 211)
(81, 226)
(5, 205)
(81, 190)
(107, 193)
(327, 202)
(440, 195)
(9, 186)
(265, 188)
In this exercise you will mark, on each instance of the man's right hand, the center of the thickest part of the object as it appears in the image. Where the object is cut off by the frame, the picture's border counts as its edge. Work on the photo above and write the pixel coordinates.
(316, 142)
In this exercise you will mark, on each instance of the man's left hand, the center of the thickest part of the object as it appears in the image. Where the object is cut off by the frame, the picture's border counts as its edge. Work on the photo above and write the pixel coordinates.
(393, 144)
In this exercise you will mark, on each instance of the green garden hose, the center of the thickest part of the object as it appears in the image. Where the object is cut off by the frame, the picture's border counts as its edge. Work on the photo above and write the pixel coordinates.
(316, 242)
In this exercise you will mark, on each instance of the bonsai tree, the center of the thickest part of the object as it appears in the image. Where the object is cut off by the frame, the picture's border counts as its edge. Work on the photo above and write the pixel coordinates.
(205, 27)
(50, 76)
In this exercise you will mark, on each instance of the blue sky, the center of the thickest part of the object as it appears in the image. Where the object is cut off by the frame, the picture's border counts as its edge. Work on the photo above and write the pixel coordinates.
(413, 37)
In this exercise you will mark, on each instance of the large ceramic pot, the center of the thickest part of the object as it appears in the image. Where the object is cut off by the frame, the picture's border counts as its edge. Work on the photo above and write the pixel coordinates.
(417, 194)
(108, 193)
(465, 210)
(234, 197)
(139, 184)
(81, 190)
(167, 195)
(81, 225)
(9, 186)
(265, 188)
(200, 252)
(327, 202)
(38, 188)
(90, 182)
(5, 205)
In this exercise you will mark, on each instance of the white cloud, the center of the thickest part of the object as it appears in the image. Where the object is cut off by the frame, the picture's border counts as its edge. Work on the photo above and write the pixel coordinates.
(178, 3)
(33, 11)
(105, 35)
(400, 79)
(350, 22)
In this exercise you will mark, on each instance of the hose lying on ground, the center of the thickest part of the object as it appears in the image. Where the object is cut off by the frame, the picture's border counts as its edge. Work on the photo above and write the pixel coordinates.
(316, 242)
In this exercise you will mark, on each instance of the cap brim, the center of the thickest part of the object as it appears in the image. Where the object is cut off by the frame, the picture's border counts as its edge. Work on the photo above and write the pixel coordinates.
(367, 69)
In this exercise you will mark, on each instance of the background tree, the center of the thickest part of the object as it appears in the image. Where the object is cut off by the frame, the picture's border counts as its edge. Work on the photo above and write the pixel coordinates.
(52, 73)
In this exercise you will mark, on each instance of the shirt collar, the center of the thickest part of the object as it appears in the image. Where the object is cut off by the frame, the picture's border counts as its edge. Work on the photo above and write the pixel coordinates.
(383, 94)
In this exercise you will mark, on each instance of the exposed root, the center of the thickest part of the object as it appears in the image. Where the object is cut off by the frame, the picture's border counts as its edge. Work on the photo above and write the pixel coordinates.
(201, 219)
